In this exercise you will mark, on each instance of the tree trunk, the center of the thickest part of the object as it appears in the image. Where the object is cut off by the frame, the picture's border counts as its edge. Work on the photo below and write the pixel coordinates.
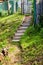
(8, 7)
(34, 13)
(22, 6)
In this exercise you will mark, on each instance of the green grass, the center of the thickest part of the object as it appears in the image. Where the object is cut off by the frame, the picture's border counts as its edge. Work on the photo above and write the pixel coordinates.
(32, 43)
(8, 26)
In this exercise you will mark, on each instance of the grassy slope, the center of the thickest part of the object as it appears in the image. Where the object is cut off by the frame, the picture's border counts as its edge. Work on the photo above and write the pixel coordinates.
(8, 26)
(32, 43)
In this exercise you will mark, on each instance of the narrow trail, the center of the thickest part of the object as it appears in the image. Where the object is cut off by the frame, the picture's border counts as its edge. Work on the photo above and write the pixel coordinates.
(22, 28)
(13, 57)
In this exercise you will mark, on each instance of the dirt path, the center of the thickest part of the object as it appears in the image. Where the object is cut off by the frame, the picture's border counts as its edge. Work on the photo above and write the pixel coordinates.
(27, 18)
(13, 57)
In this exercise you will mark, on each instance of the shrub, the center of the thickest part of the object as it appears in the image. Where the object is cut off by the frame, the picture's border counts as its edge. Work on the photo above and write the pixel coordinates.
(41, 20)
(4, 13)
(32, 31)
(37, 27)
(0, 14)
(41, 33)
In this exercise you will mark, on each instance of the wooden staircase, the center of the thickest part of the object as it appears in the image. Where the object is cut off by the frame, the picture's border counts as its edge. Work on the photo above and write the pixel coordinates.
(22, 28)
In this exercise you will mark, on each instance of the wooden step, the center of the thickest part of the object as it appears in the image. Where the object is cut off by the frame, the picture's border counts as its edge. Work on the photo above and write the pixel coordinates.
(17, 37)
(15, 40)
(22, 28)
(18, 34)
(24, 24)
(20, 31)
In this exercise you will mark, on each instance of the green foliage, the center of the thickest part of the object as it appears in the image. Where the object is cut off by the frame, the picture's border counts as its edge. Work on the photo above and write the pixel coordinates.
(32, 43)
(8, 26)
(0, 14)
(41, 20)
(3, 13)
(31, 31)
(41, 33)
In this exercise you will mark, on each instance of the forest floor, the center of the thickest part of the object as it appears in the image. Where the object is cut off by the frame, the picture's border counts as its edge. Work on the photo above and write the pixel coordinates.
(13, 57)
